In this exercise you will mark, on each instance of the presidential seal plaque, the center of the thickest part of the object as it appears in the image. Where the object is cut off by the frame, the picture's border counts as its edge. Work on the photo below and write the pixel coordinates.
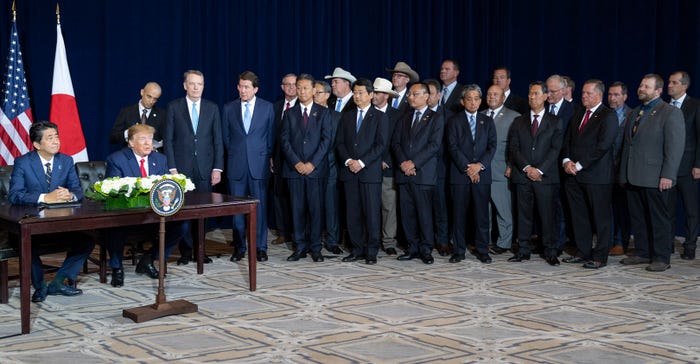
(166, 198)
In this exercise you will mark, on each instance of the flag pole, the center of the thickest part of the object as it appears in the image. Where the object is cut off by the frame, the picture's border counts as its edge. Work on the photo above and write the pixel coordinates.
(58, 14)
(14, 13)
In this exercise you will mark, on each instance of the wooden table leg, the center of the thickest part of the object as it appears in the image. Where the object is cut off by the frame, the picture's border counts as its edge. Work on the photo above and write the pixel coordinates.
(25, 274)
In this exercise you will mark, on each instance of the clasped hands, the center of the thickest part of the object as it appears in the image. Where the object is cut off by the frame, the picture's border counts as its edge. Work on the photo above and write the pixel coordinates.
(61, 194)
(472, 171)
(304, 169)
(570, 168)
(408, 168)
(533, 174)
(354, 166)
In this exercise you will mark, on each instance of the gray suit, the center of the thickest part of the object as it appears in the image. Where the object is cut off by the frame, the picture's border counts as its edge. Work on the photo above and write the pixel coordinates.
(500, 185)
(653, 152)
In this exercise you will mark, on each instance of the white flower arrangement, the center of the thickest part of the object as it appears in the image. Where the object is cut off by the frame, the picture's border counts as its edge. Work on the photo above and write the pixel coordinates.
(134, 186)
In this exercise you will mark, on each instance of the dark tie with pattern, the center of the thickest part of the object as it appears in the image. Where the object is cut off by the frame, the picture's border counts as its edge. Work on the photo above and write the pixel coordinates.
(306, 118)
(535, 125)
(144, 116)
(48, 173)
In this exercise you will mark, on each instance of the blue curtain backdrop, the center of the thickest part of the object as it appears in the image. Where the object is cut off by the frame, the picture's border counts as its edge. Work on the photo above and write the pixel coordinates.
(115, 47)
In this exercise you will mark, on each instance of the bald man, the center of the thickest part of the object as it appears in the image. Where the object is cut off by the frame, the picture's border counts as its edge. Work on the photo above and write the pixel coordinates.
(143, 112)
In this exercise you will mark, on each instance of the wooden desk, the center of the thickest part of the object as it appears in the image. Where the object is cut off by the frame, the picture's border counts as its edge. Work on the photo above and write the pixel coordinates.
(30, 220)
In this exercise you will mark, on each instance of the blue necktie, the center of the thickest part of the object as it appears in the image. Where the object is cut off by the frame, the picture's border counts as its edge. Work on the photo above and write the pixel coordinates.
(338, 105)
(359, 122)
(395, 105)
(246, 118)
(443, 101)
(472, 126)
(676, 104)
(195, 117)
(48, 173)
(553, 109)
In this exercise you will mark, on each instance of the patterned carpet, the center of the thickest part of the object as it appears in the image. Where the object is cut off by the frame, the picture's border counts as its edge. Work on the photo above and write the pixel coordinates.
(392, 312)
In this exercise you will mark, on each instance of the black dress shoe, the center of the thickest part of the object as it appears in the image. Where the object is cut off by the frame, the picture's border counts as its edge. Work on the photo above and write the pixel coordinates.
(62, 290)
(484, 258)
(335, 250)
(184, 260)
(552, 260)
(237, 256)
(496, 250)
(443, 250)
(317, 256)
(519, 257)
(261, 256)
(117, 277)
(40, 294)
(407, 256)
(146, 267)
(350, 258)
(456, 258)
(593, 264)
(371, 260)
(574, 259)
(688, 254)
(206, 260)
(390, 251)
(427, 259)
(296, 256)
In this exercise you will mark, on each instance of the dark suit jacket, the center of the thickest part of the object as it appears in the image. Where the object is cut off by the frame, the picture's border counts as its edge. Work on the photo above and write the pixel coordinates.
(183, 148)
(452, 105)
(332, 157)
(248, 154)
(691, 153)
(566, 111)
(130, 116)
(28, 179)
(367, 145)
(421, 145)
(348, 105)
(277, 156)
(593, 146)
(123, 163)
(655, 151)
(404, 107)
(308, 144)
(388, 158)
(541, 151)
(465, 148)
(517, 103)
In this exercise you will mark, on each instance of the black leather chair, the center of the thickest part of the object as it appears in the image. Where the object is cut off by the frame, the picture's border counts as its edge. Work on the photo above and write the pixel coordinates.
(88, 174)
(6, 251)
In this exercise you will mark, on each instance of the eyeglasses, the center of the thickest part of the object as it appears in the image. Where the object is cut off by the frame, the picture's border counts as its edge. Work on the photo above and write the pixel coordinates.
(553, 91)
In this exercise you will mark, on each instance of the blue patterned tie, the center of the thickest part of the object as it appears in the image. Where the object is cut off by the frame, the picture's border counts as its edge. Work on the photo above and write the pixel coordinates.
(246, 118)
(472, 126)
(359, 122)
(195, 117)
(48, 173)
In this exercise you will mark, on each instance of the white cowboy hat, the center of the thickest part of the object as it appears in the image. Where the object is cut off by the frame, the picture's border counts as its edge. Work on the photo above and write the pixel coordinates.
(384, 85)
(341, 73)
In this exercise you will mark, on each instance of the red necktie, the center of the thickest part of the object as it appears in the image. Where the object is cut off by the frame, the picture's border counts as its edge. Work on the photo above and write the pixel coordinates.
(287, 108)
(534, 125)
(585, 121)
(143, 168)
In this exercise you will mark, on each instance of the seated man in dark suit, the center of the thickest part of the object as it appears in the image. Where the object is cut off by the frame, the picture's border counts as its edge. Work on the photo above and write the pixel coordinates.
(139, 160)
(47, 176)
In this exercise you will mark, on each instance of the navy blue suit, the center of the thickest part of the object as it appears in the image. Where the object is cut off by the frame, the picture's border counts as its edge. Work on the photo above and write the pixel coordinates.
(123, 163)
(248, 164)
(365, 187)
(302, 144)
(27, 183)
(465, 149)
(421, 145)
(194, 154)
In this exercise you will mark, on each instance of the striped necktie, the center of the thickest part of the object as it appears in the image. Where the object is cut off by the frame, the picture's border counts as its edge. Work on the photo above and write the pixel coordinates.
(48, 173)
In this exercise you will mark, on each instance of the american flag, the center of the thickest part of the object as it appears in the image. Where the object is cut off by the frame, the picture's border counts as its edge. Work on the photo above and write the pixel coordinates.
(16, 114)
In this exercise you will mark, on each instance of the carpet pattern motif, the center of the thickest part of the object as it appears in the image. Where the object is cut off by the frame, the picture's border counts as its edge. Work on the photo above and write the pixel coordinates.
(392, 312)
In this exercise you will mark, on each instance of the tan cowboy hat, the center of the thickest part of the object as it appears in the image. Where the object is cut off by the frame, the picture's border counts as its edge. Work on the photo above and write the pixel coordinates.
(384, 85)
(341, 73)
(402, 67)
